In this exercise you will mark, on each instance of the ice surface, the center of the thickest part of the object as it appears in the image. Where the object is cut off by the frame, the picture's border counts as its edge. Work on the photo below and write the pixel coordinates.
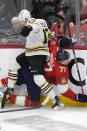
(45, 119)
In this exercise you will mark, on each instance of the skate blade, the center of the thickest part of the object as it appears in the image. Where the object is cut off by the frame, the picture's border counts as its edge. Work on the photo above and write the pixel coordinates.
(58, 107)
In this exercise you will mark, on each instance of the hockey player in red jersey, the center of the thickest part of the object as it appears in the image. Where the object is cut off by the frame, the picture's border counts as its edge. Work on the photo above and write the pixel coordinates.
(56, 71)
(59, 73)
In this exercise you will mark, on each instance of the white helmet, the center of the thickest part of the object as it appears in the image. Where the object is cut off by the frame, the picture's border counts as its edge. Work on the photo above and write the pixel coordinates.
(24, 14)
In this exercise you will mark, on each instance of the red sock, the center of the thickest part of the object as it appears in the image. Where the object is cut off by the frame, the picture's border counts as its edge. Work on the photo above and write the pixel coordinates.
(33, 103)
(30, 103)
(27, 101)
(12, 99)
(70, 94)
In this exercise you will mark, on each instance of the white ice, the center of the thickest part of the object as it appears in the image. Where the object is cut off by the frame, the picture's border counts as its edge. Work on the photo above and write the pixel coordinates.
(45, 119)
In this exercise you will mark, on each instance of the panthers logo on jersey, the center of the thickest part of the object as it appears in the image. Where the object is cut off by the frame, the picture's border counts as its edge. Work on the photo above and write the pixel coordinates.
(63, 80)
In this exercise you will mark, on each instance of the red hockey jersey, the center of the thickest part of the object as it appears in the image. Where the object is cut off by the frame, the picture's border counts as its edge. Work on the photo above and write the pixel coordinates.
(54, 71)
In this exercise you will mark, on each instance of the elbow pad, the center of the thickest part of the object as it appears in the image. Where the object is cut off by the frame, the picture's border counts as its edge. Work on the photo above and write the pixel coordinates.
(26, 30)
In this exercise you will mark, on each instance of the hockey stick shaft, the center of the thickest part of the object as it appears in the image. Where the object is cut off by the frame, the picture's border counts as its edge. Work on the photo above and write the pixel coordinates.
(20, 109)
(6, 35)
(75, 57)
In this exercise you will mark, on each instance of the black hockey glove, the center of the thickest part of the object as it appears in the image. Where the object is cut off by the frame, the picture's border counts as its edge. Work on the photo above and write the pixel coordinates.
(26, 30)
(64, 42)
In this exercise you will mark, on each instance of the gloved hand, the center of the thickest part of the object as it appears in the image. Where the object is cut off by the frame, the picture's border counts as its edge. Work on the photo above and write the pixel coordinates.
(64, 42)
(26, 30)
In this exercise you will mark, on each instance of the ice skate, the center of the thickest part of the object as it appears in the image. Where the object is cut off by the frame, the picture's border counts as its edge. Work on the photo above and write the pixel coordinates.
(5, 99)
(57, 105)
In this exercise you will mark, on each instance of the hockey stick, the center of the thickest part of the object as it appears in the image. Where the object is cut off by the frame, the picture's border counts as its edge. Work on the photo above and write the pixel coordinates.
(67, 25)
(20, 109)
(6, 35)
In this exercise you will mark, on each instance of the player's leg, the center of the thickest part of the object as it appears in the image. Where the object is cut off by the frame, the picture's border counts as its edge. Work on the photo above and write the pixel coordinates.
(19, 100)
(64, 90)
(25, 73)
(48, 90)
(23, 101)
(32, 89)
(50, 77)
(70, 94)
(12, 78)
(67, 92)
(25, 77)
(37, 69)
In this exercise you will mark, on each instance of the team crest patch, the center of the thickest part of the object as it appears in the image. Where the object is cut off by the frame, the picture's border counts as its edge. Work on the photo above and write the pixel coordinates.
(63, 80)
(32, 20)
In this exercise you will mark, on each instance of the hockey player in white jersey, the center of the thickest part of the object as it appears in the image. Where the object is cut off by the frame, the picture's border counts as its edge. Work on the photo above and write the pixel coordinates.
(36, 31)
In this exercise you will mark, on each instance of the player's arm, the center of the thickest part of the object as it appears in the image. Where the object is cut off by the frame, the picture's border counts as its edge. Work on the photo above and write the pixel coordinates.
(31, 26)
(26, 30)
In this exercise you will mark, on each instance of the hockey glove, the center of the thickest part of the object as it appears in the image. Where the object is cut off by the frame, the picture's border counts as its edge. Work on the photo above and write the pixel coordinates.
(64, 42)
(26, 30)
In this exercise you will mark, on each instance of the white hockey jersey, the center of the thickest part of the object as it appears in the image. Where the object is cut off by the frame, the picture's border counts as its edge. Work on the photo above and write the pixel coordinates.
(38, 38)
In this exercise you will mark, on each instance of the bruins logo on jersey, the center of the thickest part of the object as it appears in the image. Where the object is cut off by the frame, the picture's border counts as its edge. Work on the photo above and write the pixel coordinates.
(32, 20)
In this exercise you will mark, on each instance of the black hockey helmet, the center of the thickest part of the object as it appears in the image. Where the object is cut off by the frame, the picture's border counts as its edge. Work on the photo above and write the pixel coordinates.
(62, 55)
